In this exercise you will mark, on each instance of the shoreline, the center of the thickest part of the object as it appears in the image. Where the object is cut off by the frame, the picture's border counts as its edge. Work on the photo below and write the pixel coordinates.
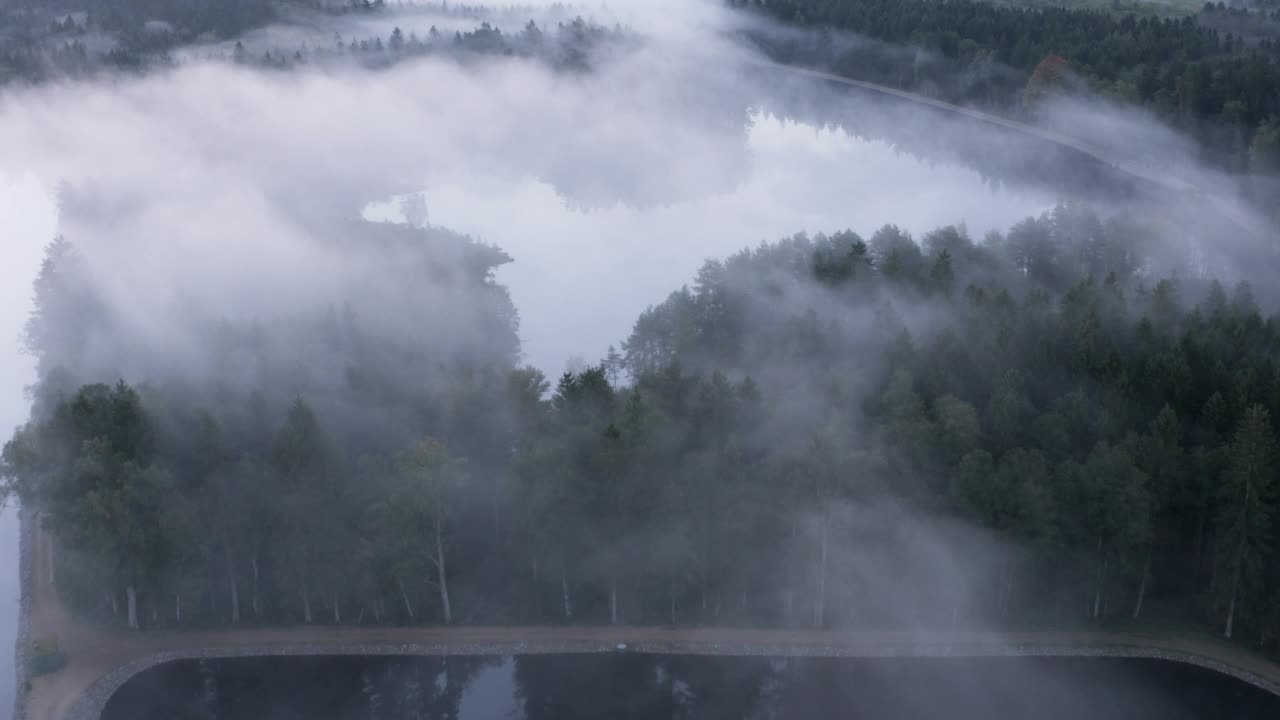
(664, 641)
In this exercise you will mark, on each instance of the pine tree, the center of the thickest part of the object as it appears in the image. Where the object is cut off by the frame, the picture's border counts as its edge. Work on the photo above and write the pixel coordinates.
(1243, 527)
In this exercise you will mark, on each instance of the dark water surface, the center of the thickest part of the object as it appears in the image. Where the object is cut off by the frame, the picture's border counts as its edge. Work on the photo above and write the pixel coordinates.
(566, 687)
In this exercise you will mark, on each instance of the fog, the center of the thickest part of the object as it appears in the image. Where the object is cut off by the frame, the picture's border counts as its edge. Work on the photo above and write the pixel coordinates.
(211, 195)
(800, 178)
(635, 167)
(26, 216)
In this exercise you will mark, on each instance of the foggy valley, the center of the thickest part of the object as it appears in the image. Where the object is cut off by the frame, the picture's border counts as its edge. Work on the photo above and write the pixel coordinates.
(807, 358)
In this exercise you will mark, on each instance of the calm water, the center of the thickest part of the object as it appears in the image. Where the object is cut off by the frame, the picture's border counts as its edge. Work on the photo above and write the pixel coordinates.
(795, 177)
(569, 687)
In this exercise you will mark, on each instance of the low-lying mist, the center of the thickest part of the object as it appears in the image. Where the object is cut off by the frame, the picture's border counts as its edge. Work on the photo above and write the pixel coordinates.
(305, 272)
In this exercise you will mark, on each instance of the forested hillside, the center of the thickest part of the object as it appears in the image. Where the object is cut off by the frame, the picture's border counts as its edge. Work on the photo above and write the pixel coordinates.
(1198, 73)
(89, 39)
(1039, 428)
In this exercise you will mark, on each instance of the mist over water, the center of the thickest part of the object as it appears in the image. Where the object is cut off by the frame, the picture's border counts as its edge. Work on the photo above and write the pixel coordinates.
(799, 178)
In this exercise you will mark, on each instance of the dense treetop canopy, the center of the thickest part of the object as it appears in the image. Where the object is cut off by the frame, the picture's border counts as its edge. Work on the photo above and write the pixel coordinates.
(1197, 72)
(1033, 427)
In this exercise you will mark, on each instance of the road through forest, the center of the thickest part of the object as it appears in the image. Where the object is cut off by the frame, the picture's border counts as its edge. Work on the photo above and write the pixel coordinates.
(100, 660)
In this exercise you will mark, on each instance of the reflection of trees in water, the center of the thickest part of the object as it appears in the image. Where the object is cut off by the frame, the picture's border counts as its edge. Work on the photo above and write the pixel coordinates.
(703, 688)
(395, 688)
(578, 687)
(1001, 157)
(626, 685)
(567, 687)
(334, 688)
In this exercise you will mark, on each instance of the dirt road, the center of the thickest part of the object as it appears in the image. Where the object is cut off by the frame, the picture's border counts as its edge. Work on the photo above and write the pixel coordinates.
(100, 660)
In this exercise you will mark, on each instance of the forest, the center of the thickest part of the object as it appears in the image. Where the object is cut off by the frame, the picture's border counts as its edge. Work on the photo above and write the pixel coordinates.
(1201, 74)
(128, 36)
(1214, 75)
(1044, 427)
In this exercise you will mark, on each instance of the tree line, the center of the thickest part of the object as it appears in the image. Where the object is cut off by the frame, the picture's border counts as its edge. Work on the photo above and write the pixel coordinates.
(570, 46)
(47, 42)
(822, 431)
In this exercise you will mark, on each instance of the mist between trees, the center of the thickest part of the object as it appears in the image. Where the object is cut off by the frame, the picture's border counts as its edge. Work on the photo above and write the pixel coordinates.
(822, 431)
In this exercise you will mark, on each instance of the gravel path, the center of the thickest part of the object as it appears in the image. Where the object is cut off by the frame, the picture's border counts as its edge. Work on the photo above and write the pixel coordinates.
(80, 691)
(101, 660)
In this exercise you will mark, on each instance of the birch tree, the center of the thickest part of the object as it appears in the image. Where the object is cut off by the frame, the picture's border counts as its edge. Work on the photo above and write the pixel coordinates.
(1243, 526)
(431, 477)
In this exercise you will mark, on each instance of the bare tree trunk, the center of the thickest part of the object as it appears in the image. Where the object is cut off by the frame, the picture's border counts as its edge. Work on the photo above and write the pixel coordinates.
(1200, 523)
(177, 608)
(404, 595)
(306, 603)
(1142, 586)
(440, 566)
(1235, 580)
(1102, 578)
(1008, 586)
(1231, 608)
(1005, 583)
(1097, 594)
(819, 607)
(337, 611)
(673, 602)
(788, 605)
(702, 589)
(132, 594)
(613, 602)
(564, 597)
(257, 608)
(115, 603)
(234, 588)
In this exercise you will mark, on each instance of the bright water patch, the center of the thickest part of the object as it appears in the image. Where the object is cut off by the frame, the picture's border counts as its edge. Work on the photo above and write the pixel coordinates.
(581, 277)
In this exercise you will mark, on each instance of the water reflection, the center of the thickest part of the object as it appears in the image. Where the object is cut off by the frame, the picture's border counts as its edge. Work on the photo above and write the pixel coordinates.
(622, 686)
(580, 277)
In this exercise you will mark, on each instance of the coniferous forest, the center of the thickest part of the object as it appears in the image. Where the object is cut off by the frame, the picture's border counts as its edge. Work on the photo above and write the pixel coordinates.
(1034, 429)
(1214, 75)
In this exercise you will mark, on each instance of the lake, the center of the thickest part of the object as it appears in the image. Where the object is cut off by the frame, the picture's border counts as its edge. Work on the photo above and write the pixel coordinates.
(626, 685)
